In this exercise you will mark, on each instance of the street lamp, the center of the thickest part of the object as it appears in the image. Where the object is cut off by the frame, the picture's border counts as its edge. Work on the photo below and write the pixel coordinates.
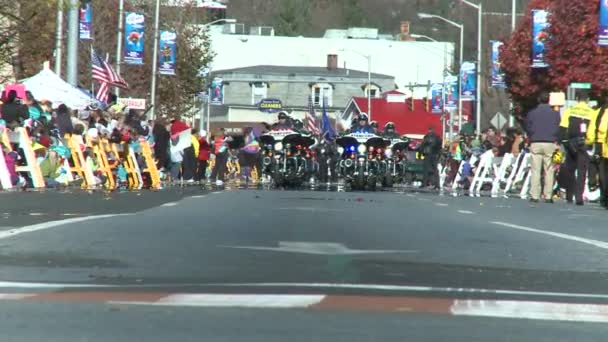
(479, 9)
(208, 121)
(369, 80)
(461, 28)
(422, 36)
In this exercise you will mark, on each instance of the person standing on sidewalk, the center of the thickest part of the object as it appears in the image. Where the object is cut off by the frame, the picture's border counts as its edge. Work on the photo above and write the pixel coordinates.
(204, 153)
(600, 127)
(542, 126)
(578, 136)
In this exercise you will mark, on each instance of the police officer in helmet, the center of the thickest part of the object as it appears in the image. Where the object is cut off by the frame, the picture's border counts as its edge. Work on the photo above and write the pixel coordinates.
(363, 125)
(390, 132)
(284, 122)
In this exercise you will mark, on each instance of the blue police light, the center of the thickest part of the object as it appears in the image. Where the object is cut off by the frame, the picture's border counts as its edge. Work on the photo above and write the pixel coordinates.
(352, 148)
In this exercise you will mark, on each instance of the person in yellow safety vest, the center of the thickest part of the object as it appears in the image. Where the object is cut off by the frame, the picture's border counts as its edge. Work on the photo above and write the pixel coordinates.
(578, 135)
(601, 149)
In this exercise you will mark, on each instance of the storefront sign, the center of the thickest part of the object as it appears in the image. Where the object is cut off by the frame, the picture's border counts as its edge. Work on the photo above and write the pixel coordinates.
(270, 105)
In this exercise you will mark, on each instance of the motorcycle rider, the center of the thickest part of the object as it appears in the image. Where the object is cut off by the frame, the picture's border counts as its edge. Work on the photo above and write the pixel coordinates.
(363, 125)
(284, 122)
(390, 132)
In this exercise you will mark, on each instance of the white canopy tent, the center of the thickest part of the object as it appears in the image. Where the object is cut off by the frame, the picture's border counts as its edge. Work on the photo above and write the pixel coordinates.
(46, 85)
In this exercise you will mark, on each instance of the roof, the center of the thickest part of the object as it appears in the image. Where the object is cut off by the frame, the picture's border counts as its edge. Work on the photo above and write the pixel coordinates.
(406, 121)
(302, 71)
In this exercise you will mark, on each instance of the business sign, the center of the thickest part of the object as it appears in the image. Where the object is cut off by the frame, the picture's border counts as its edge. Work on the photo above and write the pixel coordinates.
(217, 91)
(451, 92)
(134, 38)
(167, 53)
(603, 24)
(468, 81)
(86, 20)
(132, 103)
(270, 105)
(540, 24)
(498, 76)
(437, 98)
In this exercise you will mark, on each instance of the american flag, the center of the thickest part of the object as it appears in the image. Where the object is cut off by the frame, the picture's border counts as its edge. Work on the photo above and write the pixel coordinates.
(106, 76)
(311, 118)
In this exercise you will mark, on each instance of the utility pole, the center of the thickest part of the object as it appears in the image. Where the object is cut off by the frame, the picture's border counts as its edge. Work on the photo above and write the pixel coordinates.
(121, 21)
(59, 38)
(73, 36)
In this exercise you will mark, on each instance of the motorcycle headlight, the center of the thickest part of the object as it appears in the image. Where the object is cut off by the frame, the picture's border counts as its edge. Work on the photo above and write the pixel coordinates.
(278, 146)
(388, 153)
(340, 149)
(322, 151)
(361, 148)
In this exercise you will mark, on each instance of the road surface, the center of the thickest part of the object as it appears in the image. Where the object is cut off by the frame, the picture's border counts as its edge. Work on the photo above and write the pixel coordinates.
(259, 265)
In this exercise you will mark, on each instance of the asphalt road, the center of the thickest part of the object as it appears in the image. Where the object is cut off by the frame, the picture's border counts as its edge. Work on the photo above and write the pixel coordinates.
(388, 266)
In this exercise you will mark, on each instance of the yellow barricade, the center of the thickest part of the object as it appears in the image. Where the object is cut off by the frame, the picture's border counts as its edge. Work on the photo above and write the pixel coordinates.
(20, 137)
(151, 168)
(80, 166)
(102, 161)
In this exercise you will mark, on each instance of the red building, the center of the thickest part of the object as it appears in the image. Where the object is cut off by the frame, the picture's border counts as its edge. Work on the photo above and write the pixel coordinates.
(396, 106)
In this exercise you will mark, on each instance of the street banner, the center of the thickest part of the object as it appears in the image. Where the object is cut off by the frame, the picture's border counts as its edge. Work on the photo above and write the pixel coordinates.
(132, 103)
(603, 24)
(217, 92)
(167, 53)
(468, 81)
(540, 35)
(498, 76)
(86, 19)
(437, 98)
(451, 92)
(134, 38)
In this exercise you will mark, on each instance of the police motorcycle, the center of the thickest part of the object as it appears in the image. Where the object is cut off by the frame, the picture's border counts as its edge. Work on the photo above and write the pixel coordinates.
(286, 156)
(396, 161)
(325, 157)
(362, 159)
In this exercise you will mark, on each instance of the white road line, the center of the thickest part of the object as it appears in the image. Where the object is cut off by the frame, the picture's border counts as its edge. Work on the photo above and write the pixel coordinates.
(216, 192)
(421, 289)
(170, 204)
(466, 212)
(51, 224)
(441, 204)
(199, 196)
(594, 243)
(26, 285)
(531, 310)
(312, 209)
(36, 214)
(233, 300)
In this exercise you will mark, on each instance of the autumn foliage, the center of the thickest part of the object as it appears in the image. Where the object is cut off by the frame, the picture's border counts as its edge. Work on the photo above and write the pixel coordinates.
(572, 52)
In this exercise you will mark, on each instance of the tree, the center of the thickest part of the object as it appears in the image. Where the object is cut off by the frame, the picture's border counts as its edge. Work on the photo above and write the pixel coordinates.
(353, 15)
(524, 82)
(293, 18)
(176, 95)
(572, 52)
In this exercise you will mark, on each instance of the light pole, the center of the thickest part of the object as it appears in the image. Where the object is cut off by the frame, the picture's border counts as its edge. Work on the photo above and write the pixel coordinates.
(369, 80)
(479, 9)
(121, 9)
(154, 62)
(59, 38)
(73, 33)
(200, 119)
(513, 23)
(460, 57)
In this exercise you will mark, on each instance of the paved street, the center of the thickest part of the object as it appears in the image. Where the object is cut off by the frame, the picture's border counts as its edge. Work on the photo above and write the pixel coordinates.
(321, 266)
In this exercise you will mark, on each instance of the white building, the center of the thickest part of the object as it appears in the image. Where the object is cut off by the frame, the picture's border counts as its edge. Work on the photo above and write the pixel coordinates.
(410, 62)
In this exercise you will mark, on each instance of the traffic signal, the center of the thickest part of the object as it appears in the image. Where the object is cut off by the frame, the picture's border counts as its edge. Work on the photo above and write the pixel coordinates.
(410, 103)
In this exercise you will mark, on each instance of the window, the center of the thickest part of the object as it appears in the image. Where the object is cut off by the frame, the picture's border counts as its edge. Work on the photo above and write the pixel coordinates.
(259, 91)
(374, 90)
(322, 92)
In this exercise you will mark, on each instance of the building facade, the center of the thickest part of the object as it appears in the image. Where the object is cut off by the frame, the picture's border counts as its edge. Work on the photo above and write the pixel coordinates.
(292, 88)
